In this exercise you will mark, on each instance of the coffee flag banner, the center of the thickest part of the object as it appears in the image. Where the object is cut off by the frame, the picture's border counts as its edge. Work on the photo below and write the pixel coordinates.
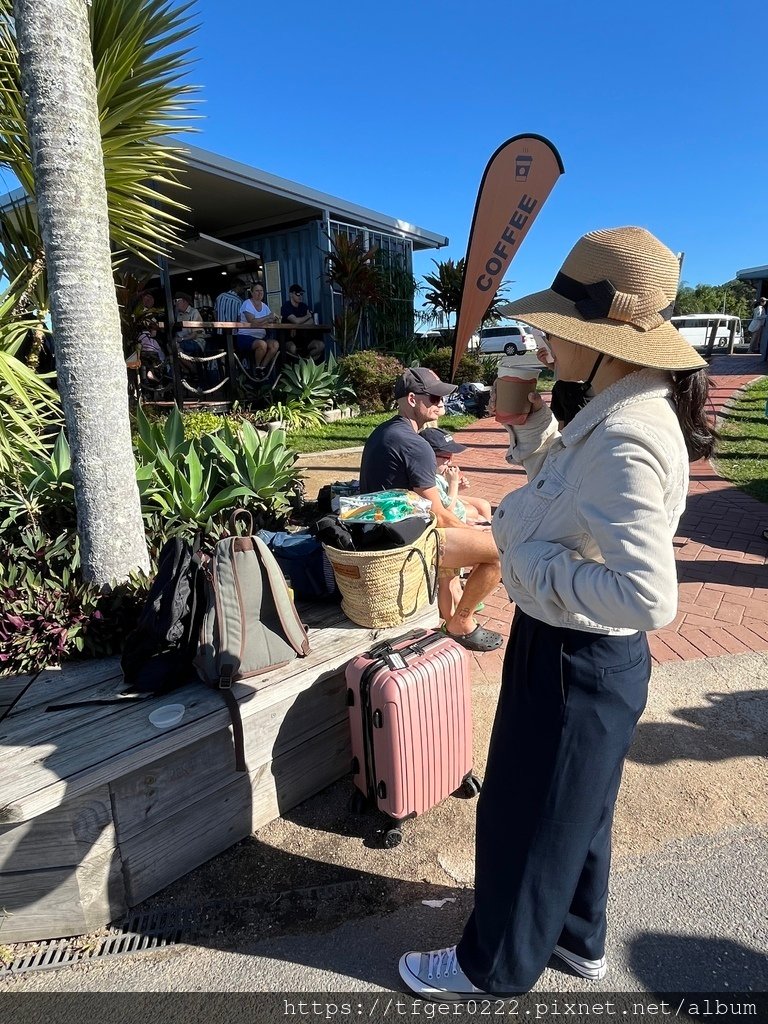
(516, 183)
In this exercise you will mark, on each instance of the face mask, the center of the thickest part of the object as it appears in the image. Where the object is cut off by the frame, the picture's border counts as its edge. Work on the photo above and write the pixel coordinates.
(570, 396)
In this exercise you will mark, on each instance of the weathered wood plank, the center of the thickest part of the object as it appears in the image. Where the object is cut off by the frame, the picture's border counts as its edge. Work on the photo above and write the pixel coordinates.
(40, 905)
(61, 837)
(99, 748)
(54, 684)
(101, 886)
(146, 796)
(10, 688)
(159, 855)
(300, 773)
(66, 900)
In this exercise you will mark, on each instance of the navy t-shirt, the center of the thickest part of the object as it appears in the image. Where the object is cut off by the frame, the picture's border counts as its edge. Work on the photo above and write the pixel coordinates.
(396, 456)
(288, 309)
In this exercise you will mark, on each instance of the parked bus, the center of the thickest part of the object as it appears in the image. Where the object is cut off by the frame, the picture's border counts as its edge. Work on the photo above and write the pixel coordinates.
(696, 328)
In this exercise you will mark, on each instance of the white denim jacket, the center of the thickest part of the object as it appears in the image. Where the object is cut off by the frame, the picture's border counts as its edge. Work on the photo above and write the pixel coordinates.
(587, 542)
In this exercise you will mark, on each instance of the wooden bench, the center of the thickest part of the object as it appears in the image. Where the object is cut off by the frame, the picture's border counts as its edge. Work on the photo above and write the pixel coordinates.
(99, 809)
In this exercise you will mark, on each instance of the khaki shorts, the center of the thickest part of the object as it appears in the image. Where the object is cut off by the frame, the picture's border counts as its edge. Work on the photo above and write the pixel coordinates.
(441, 572)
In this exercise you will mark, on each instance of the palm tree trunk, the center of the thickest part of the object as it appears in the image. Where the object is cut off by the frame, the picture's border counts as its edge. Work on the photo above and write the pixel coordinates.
(59, 88)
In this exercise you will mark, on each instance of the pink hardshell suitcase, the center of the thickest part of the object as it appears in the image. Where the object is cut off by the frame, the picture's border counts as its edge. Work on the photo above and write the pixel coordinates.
(410, 715)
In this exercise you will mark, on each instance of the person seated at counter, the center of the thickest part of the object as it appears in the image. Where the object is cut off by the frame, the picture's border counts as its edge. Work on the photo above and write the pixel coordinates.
(256, 312)
(302, 344)
(191, 341)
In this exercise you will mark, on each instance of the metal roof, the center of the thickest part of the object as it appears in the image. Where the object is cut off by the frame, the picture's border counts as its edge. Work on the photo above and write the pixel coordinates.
(752, 274)
(228, 197)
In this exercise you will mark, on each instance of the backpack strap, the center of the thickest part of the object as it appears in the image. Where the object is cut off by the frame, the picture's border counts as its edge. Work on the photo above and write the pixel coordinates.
(104, 702)
(286, 609)
(237, 726)
(247, 519)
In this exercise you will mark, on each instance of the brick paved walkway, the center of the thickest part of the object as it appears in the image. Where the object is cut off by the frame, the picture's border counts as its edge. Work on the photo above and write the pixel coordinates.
(720, 552)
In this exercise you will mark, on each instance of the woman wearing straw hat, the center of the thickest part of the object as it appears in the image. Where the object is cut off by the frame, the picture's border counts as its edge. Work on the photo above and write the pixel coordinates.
(587, 556)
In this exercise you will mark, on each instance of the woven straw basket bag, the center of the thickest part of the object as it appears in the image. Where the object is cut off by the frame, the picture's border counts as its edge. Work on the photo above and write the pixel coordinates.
(383, 588)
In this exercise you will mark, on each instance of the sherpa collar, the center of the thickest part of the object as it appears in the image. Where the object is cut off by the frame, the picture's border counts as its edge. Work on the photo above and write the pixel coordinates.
(640, 386)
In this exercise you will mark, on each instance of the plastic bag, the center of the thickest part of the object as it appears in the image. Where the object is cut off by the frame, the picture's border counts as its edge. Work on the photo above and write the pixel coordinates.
(383, 506)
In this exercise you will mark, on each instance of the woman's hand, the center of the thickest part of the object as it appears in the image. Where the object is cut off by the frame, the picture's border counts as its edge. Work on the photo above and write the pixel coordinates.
(536, 401)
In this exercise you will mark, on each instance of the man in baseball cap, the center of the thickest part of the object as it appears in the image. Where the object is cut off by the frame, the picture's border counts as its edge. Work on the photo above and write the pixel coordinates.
(397, 456)
(418, 380)
(304, 343)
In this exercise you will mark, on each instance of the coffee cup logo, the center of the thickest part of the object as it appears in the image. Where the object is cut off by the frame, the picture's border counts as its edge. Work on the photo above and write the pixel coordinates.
(522, 166)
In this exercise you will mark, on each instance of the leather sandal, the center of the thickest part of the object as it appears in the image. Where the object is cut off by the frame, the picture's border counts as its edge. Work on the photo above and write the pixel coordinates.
(480, 640)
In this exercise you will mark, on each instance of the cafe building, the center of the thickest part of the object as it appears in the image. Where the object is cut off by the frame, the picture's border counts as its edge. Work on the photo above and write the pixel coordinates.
(261, 227)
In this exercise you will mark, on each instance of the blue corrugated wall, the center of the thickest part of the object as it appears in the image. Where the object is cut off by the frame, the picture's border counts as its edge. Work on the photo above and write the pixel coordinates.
(299, 251)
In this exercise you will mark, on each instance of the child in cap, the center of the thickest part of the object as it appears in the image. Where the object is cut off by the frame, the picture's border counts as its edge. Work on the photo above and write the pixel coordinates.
(474, 511)
(449, 480)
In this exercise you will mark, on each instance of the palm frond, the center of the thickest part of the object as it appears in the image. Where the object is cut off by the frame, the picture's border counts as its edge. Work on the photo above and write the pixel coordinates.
(142, 59)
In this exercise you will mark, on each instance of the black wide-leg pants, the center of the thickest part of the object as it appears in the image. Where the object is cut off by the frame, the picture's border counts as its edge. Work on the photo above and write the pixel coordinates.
(567, 712)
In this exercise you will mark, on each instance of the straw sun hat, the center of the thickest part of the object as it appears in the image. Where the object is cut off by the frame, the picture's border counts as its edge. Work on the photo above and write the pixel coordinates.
(614, 294)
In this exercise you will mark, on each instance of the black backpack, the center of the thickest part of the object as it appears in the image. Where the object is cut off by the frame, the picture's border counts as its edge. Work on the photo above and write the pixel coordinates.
(157, 656)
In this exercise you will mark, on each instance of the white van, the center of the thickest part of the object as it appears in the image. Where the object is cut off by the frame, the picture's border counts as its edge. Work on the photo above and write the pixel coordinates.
(511, 340)
(696, 328)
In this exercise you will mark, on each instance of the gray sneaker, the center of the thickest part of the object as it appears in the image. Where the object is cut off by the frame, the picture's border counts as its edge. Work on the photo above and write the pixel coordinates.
(437, 975)
(592, 970)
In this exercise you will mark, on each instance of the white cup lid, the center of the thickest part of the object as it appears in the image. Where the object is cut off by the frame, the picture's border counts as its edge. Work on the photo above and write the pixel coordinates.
(167, 715)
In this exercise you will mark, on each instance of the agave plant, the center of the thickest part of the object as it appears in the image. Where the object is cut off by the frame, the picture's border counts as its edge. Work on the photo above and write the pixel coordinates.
(259, 467)
(292, 415)
(192, 480)
(310, 383)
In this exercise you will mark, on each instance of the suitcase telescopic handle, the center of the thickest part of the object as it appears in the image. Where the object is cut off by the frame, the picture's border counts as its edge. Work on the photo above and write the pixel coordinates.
(388, 646)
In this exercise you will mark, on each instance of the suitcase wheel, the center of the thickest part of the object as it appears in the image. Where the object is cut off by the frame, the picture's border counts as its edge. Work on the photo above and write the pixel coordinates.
(470, 786)
(393, 837)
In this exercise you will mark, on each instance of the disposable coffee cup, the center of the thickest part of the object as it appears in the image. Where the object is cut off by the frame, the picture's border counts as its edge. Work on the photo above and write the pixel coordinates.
(513, 385)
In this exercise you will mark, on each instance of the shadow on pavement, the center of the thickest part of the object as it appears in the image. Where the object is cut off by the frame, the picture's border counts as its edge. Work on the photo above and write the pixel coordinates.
(680, 963)
(731, 725)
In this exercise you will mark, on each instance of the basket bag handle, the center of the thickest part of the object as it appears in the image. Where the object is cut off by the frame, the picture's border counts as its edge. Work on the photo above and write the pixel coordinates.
(431, 584)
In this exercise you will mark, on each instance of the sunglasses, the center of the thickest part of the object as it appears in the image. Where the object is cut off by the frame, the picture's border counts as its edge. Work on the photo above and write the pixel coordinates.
(433, 399)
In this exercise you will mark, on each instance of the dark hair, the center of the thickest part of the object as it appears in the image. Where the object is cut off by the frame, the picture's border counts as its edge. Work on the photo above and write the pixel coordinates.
(690, 392)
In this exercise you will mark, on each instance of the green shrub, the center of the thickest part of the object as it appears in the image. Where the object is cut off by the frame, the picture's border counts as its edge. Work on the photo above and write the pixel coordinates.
(46, 614)
(200, 424)
(372, 376)
(489, 369)
(469, 369)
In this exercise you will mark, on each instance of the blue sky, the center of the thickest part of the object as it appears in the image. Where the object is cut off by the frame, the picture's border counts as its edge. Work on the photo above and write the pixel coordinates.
(654, 109)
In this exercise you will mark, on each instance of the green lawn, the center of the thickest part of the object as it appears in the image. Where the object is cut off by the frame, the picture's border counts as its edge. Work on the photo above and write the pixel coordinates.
(355, 432)
(742, 453)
